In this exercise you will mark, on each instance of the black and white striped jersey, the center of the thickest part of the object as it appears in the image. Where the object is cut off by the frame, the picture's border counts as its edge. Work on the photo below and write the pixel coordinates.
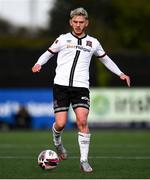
(73, 60)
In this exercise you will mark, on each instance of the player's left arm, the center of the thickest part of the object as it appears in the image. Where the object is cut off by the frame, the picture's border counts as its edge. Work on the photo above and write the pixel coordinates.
(114, 68)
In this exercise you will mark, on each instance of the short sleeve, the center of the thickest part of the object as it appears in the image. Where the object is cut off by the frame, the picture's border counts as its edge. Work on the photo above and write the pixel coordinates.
(99, 51)
(56, 46)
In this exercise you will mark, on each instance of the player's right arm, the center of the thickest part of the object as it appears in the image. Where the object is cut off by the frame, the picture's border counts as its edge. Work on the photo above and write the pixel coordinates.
(55, 47)
(41, 61)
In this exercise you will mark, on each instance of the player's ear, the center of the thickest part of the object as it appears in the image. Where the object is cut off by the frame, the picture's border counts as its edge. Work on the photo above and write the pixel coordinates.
(70, 22)
(87, 23)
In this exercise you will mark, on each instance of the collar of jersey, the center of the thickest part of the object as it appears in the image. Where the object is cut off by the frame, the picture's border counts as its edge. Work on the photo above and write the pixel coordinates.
(78, 37)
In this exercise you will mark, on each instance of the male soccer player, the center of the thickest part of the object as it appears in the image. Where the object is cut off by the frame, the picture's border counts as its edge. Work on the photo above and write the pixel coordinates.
(71, 82)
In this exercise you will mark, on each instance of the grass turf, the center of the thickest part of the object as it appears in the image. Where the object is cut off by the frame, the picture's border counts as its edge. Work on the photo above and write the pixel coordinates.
(119, 154)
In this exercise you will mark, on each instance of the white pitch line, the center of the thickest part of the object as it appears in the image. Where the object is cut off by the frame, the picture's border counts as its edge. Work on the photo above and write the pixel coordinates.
(115, 157)
(16, 157)
(102, 146)
(90, 157)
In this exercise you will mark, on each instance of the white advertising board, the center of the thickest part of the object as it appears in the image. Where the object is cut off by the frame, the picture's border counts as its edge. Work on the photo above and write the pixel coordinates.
(119, 105)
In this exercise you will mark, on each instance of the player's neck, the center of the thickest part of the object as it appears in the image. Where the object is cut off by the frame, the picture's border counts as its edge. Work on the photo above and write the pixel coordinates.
(78, 35)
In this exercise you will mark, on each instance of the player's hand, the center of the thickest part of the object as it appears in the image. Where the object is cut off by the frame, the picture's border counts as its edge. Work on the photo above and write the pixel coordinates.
(36, 68)
(125, 78)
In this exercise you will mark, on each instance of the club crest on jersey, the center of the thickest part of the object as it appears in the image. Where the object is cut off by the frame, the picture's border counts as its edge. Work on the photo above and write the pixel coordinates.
(89, 43)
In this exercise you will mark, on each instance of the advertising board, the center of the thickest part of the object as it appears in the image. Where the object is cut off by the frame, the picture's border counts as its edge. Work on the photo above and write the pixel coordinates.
(119, 105)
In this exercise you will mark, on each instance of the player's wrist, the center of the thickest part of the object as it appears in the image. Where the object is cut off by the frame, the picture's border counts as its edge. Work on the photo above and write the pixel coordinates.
(121, 74)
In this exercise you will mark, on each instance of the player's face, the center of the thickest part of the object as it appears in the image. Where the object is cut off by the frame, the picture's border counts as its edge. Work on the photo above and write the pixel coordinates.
(78, 24)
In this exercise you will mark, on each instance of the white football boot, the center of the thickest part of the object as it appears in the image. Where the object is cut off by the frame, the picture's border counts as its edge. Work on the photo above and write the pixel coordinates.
(61, 151)
(85, 166)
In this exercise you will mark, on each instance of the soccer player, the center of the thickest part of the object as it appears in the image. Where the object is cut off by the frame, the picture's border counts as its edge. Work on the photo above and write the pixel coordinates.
(71, 82)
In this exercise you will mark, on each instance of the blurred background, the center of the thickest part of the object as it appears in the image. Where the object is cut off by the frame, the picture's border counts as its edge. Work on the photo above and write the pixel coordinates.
(29, 27)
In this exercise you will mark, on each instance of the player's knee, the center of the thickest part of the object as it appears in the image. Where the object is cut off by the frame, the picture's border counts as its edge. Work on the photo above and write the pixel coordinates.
(59, 126)
(82, 122)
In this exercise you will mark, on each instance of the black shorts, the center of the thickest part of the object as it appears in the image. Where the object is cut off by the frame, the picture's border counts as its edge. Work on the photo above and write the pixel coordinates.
(64, 96)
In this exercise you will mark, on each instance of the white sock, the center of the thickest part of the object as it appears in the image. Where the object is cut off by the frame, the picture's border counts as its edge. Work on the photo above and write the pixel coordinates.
(56, 136)
(84, 142)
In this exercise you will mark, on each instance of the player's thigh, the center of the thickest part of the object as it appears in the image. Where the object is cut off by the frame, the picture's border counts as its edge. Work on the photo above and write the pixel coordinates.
(61, 99)
(81, 114)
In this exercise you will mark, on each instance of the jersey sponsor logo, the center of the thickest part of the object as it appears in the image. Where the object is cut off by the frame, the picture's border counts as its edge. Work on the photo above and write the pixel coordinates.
(89, 43)
(78, 47)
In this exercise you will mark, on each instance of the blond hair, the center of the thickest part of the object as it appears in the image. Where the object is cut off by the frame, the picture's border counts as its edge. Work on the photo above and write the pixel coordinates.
(79, 12)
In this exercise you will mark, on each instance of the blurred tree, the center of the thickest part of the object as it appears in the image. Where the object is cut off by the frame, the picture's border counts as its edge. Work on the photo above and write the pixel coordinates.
(16, 37)
(123, 25)
(130, 22)
(5, 27)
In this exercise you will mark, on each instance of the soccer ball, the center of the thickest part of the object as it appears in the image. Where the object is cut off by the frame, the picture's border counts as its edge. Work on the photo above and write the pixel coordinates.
(48, 159)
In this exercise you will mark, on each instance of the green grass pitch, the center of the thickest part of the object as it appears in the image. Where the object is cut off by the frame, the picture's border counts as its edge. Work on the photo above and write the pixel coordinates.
(114, 154)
